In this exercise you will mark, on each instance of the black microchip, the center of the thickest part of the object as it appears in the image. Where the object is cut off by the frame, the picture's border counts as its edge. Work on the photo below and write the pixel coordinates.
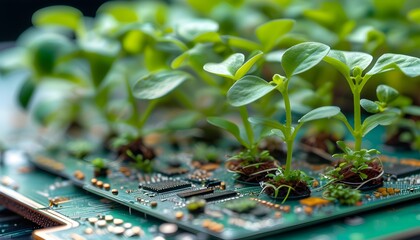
(219, 195)
(193, 193)
(401, 170)
(165, 186)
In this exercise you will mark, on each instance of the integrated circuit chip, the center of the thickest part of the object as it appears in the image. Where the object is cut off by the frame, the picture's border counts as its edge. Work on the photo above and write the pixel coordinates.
(188, 194)
(219, 195)
(401, 170)
(165, 186)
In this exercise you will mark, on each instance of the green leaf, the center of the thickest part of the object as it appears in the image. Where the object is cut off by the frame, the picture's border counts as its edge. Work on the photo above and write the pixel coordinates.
(240, 43)
(384, 118)
(158, 84)
(345, 62)
(412, 110)
(302, 57)
(278, 133)
(414, 15)
(410, 66)
(194, 29)
(386, 93)
(228, 126)
(369, 106)
(269, 123)
(320, 113)
(63, 16)
(228, 67)
(26, 92)
(247, 65)
(121, 11)
(271, 32)
(247, 90)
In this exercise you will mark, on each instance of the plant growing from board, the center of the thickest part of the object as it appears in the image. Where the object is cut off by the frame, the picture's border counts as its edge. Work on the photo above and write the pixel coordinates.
(357, 166)
(404, 133)
(100, 168)
(251, 164)
(297, 59)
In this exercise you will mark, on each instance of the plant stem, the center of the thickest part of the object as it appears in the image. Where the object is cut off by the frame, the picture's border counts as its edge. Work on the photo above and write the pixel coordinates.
(184, 99)
(132, 101)
(249, 132)
(289, 139)
(357, 119)
(146, 114)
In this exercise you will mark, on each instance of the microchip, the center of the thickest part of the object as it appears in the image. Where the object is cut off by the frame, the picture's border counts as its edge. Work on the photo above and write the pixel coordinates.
(219, 195)
(165, 186)
(188, 194)
(401, 170)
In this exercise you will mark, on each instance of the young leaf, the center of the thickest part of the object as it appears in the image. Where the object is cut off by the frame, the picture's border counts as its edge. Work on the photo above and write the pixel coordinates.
(247, 65)
(228, 67)
(371, 122)
(412, 110)
(268, 122)
(345, 62)
(193, 29)
(320, 113)
(63, 16)
(247, 90)
(302, 57)
(158, 84)
(270, 32)
(26, 92)
(369, 106)
(386, 93)
(228, 126)
(410, 66)
(241, 43)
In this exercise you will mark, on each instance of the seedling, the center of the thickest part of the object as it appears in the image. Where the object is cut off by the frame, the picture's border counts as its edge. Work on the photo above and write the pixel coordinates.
(251, 164)
(140, 163)
(342, 193)
(100, 168)
(351, 65)
(295, 60)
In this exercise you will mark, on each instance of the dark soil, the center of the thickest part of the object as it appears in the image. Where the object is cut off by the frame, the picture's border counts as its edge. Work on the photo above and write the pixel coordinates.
(353, 180)
(245, 173)
(300, 189)
(136, 147)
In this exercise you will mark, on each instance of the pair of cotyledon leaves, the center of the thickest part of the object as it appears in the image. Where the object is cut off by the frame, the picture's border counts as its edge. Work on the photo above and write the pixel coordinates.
(301, 58)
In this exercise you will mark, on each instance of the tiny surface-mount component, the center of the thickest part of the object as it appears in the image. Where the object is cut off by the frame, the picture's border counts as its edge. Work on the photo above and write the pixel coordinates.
(193, 193)
(79, 175)
(219, 195)
(314, 201)
(179, 215)
(165, 186)
(168, 228)
(107, 186)
(114, 191)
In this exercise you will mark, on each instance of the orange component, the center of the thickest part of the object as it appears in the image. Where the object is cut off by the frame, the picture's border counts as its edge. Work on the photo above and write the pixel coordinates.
(314, 201)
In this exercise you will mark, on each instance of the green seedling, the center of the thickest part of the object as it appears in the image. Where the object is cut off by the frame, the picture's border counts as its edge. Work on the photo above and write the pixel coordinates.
(342, 193)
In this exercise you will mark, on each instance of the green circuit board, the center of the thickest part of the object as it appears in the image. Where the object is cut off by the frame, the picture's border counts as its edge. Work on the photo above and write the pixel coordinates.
(163, 196)
(88, 216)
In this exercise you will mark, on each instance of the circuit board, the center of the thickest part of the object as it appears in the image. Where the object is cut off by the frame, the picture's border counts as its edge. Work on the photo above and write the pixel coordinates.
(392, 221)
(68, 212)
(165, 196)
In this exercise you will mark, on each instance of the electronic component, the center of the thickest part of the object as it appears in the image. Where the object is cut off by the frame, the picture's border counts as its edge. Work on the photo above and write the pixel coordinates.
(165, 186)
(193, 193)
(219, 195)
(401, 170)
